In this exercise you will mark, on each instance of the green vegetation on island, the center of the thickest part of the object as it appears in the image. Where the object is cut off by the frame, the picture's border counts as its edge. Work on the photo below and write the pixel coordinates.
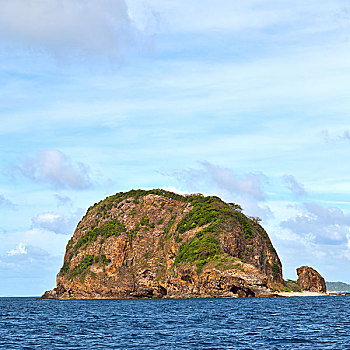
(208, 217)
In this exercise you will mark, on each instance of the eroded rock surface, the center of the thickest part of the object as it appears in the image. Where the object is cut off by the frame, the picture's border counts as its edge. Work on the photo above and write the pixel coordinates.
(310, 280)
(155, 244)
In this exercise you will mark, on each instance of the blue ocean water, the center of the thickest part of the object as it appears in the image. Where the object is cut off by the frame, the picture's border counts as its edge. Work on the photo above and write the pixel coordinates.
(244, 323)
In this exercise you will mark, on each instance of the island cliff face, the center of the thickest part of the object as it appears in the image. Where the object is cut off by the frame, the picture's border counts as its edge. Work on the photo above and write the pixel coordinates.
(154, 244)
(310, 280)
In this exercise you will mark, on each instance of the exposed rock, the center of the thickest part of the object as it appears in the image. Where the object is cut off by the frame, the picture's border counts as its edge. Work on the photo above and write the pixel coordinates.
(310, 280)
(155, 244)
(54, 293)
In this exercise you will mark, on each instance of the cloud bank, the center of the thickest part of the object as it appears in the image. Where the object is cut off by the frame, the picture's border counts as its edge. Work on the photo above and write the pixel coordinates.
(321, 225)
(245, 189)
(76, 26)
(56, 169)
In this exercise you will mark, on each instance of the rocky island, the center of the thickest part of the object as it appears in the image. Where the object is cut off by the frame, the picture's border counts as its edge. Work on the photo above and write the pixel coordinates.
(154, 244)
(310, 280)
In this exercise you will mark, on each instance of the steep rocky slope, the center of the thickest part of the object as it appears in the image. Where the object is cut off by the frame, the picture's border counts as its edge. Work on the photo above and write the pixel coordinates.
(310, 280)
(142, 244)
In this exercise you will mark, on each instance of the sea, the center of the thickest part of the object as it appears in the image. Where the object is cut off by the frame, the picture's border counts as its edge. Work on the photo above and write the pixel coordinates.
(237, 323)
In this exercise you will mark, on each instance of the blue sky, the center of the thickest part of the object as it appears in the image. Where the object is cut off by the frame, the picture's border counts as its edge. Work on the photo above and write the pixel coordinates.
(247, 100)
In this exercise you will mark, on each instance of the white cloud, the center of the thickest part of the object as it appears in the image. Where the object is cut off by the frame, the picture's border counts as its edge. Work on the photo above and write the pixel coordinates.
(69, 26)
(292, 184)
(47, 218)
(63, 200)
(19, 250)
(49, 241)
(248, 184)
(335, 135)
(28, 270)
(346, 135)
(175, 190)
(244, 189)
(303, 244)
(194, 15)
(6, 203)
(321, 225)
(57, 223)
(56, 169)
(25, 249)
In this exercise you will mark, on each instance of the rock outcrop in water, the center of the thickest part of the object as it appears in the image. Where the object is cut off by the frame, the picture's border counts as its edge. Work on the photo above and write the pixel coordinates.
(310, 280)
(154, 244)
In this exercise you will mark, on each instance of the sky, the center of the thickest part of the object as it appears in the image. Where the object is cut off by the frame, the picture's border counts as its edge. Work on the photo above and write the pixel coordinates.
(247, 100)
